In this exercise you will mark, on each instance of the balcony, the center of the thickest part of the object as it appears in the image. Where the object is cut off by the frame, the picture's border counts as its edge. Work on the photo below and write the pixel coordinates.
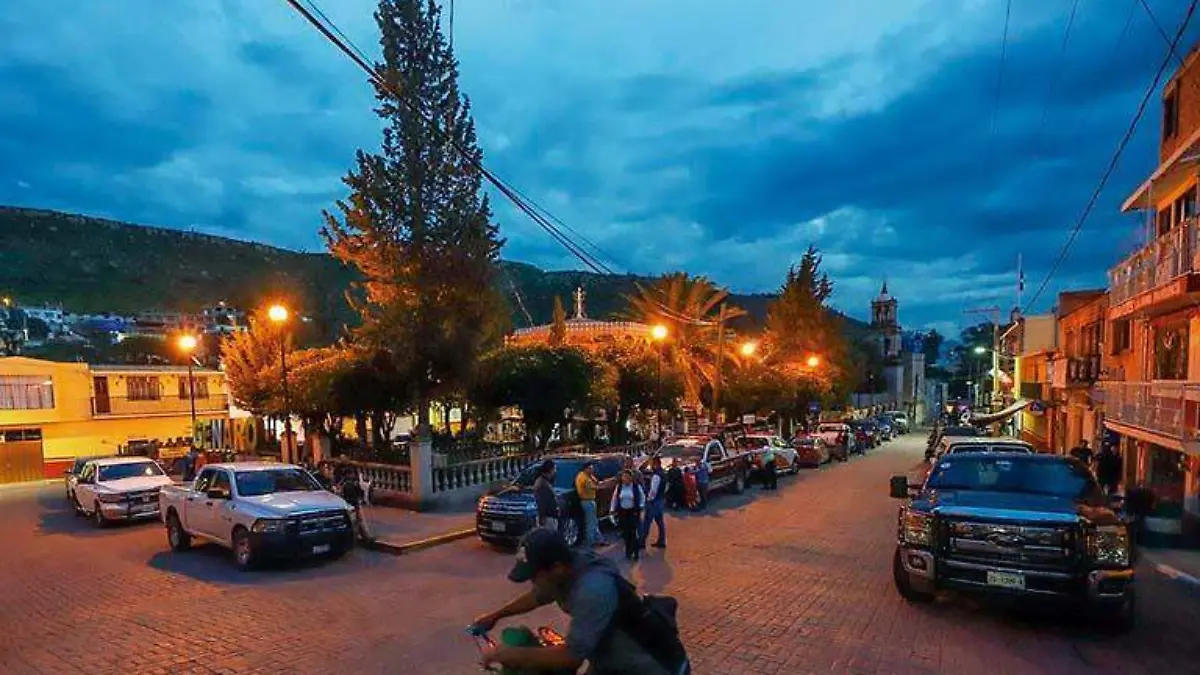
(1164, 408)
(1076, 371)
(1160, 277)
(123, 406)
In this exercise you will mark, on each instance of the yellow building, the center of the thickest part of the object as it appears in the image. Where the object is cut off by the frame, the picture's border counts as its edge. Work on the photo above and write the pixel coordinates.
(51, 412)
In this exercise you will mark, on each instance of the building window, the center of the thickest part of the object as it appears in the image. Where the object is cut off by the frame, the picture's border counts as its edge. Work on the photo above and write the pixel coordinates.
(143, 388)
(1171, 114)
(1122, 336)
(201, 384)
(22, 392)
(1171, 352)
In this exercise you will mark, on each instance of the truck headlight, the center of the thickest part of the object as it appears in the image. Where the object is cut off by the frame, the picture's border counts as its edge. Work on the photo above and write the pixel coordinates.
(1109, 545)
(916, 528)
(267, 525)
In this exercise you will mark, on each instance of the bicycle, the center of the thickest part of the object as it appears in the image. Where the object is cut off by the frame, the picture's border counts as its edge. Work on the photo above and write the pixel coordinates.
(519, 636)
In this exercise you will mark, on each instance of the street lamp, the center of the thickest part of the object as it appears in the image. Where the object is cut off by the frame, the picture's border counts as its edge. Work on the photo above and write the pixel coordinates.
(659, 333)
(748, 348)
(813, 361)
(187, 345)
(278, 314)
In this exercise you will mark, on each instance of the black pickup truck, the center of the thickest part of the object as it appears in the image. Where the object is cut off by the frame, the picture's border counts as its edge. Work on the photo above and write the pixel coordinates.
(1018, 525)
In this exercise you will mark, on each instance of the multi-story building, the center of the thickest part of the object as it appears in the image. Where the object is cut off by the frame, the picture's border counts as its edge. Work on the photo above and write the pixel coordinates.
(1076, 368)
(52, 412)
(1033, 341)
(1152, 341)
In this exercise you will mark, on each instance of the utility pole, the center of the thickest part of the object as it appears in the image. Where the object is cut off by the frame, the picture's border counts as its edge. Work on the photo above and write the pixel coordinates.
(993, 313)
(720, 363)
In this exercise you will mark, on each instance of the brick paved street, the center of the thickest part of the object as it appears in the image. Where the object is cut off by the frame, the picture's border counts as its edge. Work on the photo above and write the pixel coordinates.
(792, 582)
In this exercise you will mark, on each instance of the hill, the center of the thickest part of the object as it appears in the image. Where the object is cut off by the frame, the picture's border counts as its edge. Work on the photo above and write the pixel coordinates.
(95, 265)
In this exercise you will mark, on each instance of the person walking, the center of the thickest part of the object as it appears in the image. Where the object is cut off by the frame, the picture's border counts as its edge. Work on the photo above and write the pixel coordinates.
(586, 486)
(703, 475)
(655, 501)
(628, 500)
(543, 495)
(1109, 467)
(1082, 452)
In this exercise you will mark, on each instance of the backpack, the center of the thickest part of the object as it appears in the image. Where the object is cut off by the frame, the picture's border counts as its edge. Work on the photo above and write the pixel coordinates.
(650, 621)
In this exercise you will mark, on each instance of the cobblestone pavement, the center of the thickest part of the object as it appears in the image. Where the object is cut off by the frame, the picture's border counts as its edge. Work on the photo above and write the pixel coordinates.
(796, 581)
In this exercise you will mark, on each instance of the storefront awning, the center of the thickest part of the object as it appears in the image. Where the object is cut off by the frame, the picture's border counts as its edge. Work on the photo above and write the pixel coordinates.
(992, 418)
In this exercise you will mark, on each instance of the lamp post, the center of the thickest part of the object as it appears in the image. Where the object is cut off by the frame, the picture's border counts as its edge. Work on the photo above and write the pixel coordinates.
(278, 314)
(980, 350)
(187, 345)
(659, 333)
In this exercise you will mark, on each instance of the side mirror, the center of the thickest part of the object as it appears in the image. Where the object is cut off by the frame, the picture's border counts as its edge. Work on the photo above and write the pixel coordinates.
(217, 494)
(899, 487)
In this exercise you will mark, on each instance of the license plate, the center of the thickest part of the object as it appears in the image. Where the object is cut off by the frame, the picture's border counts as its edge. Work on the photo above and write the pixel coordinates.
(323, 548)
(1006, 580)
(497, 527)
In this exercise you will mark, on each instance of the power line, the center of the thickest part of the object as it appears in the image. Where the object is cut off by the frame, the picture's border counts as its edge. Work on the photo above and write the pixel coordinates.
(1161, 31)
(346, 46)
(1000, 70)
(1112, 165)
(1056, 70)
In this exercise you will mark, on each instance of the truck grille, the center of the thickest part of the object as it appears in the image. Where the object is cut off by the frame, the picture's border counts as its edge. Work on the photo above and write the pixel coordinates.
(317, 523)
(142, 496)
(1050, 548)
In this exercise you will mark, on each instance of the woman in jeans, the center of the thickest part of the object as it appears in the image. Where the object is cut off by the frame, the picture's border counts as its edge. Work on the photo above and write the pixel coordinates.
(627, 502)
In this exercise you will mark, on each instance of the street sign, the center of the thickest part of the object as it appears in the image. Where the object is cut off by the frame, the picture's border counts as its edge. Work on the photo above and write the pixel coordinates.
(748, 419)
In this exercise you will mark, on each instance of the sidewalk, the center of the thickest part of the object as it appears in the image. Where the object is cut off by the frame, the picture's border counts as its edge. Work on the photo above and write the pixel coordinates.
(1181, 565)
(398, 531)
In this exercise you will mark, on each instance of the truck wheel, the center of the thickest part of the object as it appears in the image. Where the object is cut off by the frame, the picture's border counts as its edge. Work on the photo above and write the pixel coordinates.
(177, 537)
(1123, 619)
(569, 528)
(98, 516)
(739, 482)
(904, 584)
(243, 552)
(795, 468)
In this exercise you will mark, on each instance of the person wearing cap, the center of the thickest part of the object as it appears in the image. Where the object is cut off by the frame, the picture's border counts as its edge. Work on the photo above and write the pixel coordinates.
(586, 486)
(585, 586)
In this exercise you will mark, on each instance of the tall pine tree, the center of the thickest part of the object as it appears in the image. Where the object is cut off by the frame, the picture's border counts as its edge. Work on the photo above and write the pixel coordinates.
(417, 226)
(558, 324)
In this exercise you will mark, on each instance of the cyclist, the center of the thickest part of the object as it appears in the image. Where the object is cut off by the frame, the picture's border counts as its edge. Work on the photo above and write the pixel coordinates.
(586, 586)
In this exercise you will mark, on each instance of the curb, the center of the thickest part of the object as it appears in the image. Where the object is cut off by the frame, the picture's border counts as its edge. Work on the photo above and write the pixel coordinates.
(391, 548)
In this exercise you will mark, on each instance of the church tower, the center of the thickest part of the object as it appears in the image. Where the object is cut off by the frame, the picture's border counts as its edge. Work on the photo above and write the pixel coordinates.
(886, 324)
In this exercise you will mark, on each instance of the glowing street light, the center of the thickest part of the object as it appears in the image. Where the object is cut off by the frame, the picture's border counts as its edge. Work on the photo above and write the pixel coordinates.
(278, 314)
(187, 345)
(659, 332)
(981, 350)
(748, 348)
(813, 361)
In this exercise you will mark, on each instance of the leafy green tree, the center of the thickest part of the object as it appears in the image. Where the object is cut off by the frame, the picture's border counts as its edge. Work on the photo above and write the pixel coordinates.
(417, 227)
(931, 345)
(252, 366)
(690, 308)
(558, 324)
(643, 383)
(544, 382)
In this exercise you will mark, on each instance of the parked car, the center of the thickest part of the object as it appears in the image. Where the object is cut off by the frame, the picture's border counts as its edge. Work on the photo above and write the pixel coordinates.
(262, 511)
(119, 488)
(955, 446)
(886, 430)
(1025, 526)
(812, 451)
(785, 457)
(874, 433)
(862, 438)
(833, 432)
(504, 516)
(730, 469)
(71, 475)
(903, 426)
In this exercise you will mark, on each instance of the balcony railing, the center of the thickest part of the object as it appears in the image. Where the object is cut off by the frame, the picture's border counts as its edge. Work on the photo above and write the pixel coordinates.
(123, 406)
(1164, 407)
(1159, 262)
(1074, 371)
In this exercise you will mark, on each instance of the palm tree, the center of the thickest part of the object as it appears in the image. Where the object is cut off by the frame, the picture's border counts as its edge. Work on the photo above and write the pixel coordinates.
(689, 307)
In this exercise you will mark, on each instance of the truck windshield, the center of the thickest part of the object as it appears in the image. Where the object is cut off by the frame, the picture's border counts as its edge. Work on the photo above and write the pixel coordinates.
(258, 483)
(131, 470)
(1012, 474)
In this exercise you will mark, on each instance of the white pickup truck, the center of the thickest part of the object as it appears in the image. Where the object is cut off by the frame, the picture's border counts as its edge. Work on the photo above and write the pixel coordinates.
(118, 488)
(262, 511)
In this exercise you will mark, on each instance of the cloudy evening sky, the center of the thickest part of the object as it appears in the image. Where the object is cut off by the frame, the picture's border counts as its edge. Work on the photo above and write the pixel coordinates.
(718, 137)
